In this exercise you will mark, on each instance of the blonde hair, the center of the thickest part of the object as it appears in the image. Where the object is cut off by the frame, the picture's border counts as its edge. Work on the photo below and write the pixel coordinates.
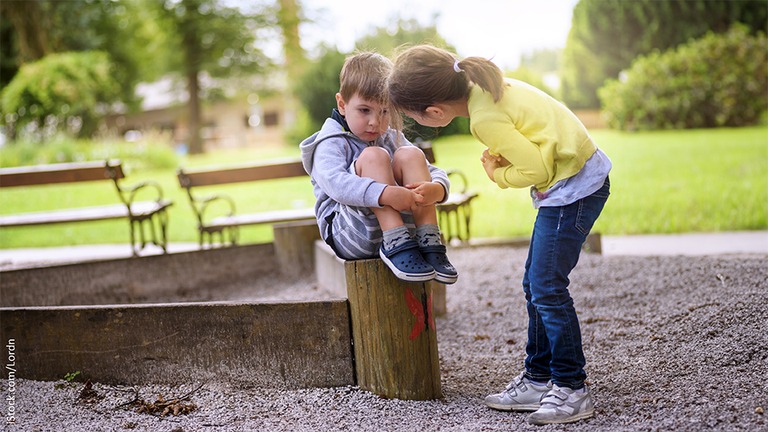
(365, 74)
(425, 75)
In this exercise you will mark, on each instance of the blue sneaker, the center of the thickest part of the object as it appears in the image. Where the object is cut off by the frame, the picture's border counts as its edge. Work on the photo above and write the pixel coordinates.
(406, 262)
(436, 257)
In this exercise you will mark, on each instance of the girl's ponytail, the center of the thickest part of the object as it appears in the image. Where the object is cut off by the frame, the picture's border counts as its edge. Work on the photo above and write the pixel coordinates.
(485, 74)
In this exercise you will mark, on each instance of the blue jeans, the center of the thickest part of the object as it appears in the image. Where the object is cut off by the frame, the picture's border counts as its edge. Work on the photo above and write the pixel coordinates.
(554, 348)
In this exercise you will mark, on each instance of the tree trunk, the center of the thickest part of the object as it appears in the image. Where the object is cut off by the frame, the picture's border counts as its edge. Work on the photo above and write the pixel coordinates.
(193, 87)
(31, 34)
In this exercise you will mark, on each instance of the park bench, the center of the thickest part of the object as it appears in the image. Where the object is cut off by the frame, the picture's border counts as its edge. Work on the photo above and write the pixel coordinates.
(226, 226)
(455, 212)
(140, 214)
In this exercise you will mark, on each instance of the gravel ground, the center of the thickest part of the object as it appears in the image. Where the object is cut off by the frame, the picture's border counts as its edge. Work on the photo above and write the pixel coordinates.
(672, 343)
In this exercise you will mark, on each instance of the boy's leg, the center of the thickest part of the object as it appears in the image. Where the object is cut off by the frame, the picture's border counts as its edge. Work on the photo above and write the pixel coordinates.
(410, 166)
(398, 250)
(375, 163)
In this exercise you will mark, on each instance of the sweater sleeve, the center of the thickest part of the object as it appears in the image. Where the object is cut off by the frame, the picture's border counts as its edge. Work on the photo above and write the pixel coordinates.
(526, 165)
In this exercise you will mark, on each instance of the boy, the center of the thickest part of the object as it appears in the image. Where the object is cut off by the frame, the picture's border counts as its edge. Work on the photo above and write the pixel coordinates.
(373, 186)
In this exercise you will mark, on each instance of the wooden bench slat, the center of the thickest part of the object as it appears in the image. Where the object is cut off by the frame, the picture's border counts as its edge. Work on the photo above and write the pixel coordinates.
(83, 214)
(59, 173)
(283, 168)
(275, 216)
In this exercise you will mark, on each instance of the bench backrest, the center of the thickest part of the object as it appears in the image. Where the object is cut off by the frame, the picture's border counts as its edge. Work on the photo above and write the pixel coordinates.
(61, 173)
(281, 168)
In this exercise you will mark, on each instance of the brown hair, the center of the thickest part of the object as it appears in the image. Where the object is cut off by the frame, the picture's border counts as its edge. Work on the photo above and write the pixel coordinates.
(365, 74)
(425, 75)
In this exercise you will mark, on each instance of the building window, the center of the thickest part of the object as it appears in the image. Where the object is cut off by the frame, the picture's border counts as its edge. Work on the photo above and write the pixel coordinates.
(271, 118)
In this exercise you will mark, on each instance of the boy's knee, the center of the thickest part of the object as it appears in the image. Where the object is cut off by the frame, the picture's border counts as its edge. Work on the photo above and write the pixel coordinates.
(374, 155)
(409, 153)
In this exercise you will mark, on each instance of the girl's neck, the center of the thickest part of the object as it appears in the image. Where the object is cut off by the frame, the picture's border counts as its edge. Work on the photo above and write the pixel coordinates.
(457, 108)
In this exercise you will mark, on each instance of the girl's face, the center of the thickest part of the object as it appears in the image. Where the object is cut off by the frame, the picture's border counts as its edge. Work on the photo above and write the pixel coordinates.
(366, 119)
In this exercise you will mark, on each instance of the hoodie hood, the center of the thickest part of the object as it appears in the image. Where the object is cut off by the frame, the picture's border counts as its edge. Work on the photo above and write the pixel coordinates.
(331, 129)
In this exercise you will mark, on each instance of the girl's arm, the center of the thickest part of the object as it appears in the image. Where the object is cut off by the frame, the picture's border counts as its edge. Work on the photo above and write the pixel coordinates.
(525, 164)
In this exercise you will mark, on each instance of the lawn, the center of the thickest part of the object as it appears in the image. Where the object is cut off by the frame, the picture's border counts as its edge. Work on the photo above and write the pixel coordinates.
(662, 182)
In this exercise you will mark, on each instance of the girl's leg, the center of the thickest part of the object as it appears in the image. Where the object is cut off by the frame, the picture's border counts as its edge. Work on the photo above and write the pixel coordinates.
(559, 233)
(538, 352)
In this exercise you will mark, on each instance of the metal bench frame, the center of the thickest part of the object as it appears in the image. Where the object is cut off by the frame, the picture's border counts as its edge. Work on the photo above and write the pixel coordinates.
(148, 220)
(226, 227)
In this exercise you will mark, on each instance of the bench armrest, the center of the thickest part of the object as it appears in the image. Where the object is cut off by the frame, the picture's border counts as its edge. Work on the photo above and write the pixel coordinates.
(462, 176)
(201, 205)
(129, 193)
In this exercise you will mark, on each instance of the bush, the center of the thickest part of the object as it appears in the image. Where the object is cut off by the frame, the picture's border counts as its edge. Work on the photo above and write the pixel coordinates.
(718, 80)
(61, 92)
(151, 152)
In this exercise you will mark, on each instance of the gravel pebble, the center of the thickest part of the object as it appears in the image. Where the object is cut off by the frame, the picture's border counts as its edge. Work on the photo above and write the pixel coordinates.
(672, 343)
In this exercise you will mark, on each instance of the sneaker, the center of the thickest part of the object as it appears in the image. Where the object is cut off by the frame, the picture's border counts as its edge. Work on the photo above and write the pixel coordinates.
(436, 257)
(520, 395)
(563, 405)
(406, 262)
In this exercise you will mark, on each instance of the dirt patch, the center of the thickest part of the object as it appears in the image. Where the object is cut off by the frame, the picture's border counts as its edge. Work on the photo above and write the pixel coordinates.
(672, 343)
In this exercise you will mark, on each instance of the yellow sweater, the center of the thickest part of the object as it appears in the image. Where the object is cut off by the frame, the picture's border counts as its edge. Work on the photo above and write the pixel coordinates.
(541, 138)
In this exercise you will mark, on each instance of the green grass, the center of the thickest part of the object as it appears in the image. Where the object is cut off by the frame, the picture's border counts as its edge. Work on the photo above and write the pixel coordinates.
(662, 182)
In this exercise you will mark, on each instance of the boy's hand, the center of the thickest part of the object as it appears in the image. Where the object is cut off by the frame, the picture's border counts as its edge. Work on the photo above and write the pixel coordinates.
(427, 192)
(399, 198)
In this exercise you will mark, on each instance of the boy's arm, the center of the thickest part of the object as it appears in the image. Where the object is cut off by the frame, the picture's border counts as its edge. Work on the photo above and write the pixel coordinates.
(330, 172)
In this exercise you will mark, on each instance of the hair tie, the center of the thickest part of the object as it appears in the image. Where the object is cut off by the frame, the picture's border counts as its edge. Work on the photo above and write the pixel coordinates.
(456, 67)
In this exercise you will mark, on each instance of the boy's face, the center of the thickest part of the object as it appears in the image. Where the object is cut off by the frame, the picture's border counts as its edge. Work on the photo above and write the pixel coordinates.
(366, 119)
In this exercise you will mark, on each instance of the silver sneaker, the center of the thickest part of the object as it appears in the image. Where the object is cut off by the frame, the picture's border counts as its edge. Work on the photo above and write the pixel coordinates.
(520, 395)
(563, 405)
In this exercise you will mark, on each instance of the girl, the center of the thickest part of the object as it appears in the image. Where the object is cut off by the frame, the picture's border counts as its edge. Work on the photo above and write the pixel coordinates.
(532, 141)
(376, 193)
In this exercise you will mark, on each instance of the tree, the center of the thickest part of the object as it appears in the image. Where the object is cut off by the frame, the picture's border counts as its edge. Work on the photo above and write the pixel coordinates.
(606, 35)
(212, 39)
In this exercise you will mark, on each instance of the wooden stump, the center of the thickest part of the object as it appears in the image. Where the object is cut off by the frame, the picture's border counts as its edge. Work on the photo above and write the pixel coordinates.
(394, 335)
(294, 247)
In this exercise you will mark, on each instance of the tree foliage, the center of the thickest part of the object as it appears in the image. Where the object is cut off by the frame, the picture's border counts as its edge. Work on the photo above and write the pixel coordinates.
(320, 83)
(68, 89)
(718, 80)
(209, 37)
(606, 35)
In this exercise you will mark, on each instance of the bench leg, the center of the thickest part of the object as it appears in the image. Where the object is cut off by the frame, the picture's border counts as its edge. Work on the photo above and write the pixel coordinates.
(157, 237)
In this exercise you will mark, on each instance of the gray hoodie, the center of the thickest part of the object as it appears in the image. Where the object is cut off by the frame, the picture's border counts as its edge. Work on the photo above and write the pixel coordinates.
(327, 156)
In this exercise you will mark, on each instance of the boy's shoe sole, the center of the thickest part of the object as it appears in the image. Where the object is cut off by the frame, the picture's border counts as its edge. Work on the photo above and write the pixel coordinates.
(436, 257)
(407, 264)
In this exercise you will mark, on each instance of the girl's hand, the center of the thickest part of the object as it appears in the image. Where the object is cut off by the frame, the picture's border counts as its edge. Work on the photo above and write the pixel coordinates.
(491, 163)
(427, 192)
